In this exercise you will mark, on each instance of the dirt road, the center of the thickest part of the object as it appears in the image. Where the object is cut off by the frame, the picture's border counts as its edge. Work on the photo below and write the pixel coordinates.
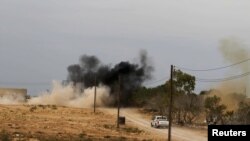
(178, 133)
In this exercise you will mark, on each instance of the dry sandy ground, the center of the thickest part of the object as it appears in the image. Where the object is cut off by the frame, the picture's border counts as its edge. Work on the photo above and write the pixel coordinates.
(142, 121)
(39, 123)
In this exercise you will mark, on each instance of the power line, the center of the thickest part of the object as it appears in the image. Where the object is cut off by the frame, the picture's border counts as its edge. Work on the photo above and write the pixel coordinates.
(205, 79)
(156, 81)
(213, 69)
(223, 79)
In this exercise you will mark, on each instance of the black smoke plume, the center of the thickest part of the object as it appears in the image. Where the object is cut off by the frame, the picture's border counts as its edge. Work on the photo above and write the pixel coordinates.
(132, 74)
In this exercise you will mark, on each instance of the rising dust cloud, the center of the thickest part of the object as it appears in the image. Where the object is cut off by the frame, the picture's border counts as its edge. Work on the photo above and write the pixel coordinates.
(12, 99)
(67, 96)
(63, 96)
(233, 51)
(78, 89)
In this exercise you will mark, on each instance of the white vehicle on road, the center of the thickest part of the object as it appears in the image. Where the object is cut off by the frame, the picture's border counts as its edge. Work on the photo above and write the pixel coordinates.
(159, 121)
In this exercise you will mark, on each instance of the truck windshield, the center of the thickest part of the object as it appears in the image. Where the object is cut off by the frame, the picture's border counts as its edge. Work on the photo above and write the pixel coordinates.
(162, 118)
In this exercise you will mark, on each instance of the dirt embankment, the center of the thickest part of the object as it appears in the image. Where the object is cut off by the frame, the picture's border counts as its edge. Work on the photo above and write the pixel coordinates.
(39, 123)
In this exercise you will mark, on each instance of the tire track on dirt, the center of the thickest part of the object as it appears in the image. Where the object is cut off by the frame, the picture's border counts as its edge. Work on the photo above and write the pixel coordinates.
(178, 133)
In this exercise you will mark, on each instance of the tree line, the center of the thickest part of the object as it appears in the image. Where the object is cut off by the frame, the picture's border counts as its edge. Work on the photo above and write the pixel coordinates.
(189, 107)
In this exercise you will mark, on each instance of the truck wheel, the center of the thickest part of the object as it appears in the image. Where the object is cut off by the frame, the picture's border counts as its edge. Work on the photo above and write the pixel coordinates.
(154, 125)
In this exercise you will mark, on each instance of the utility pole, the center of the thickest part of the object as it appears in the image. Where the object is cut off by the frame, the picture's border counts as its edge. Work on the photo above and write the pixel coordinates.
(171, 102)
(95, 96)
(246, 91)
(118, 102)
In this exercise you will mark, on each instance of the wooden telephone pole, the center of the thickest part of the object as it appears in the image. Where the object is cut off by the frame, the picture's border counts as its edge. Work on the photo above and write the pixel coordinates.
(95, 96)
(171, 102)
(118, 102)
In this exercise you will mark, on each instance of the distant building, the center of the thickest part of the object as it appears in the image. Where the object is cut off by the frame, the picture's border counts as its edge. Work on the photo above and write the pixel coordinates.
(13, 91)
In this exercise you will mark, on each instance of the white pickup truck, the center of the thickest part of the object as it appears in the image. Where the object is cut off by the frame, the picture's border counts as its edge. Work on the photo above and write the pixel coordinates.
(159, 121)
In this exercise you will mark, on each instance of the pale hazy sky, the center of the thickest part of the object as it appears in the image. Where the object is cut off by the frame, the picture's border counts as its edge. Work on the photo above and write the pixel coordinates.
(40, 38)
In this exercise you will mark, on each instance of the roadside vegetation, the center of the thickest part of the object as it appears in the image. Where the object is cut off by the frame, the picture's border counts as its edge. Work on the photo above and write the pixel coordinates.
(190, 108)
